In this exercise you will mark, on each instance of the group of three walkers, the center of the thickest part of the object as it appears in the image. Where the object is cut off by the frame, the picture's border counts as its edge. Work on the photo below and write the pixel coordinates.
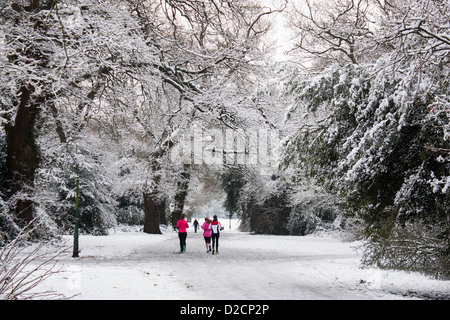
(211, 231)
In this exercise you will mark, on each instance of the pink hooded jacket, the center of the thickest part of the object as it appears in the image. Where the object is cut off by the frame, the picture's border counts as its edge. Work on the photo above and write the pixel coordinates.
(182, 225)
(206, 227)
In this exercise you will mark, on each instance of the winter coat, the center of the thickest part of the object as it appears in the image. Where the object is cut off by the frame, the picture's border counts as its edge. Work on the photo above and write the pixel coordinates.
(215, 226)
(207, 227)
(182, 225)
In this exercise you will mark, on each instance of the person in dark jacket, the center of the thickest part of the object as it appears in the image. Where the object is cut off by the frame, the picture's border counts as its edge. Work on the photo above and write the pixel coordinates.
(195, 225)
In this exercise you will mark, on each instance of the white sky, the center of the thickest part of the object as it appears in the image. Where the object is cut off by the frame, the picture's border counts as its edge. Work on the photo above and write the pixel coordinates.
(280, 32)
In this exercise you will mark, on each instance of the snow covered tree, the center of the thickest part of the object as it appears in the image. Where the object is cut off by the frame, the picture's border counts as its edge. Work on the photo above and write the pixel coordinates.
(25, 38)
(232, 183)
(376, 135)
(337, 31)
(263, 203)
(370, 140)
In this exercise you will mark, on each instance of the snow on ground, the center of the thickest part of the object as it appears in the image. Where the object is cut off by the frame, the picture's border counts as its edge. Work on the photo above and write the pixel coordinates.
(135, 265)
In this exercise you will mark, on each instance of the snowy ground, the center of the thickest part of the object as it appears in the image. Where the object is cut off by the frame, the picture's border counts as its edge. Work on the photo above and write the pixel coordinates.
(135, 265)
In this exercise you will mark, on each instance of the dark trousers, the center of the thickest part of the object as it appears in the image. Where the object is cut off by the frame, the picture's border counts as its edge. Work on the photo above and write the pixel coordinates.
(182, 236)
(215, 240)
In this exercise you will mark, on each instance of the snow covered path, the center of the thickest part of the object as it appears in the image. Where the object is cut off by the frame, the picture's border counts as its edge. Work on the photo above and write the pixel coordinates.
(135, 265)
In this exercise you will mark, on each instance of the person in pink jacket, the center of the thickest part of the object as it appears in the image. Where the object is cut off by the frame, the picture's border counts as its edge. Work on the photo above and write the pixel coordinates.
(207, 233)
(182, 232)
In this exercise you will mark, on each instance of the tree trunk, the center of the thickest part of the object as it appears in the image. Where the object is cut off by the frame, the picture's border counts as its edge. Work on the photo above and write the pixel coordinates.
(180, 196)
(151, 221)
(22, 158)
(162, 211)
(22, 155)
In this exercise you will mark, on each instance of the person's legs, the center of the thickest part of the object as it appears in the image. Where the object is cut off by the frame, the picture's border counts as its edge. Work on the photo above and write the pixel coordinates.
(213, 239)
(184, 242)
(208, 243)
(182, 236)
(217, 242)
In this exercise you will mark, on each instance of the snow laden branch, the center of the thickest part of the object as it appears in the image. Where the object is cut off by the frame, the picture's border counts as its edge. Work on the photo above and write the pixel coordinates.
(23, 266)
(336, 31)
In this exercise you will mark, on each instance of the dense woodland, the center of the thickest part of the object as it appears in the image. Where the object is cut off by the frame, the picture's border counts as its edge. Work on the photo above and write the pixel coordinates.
(93, 96)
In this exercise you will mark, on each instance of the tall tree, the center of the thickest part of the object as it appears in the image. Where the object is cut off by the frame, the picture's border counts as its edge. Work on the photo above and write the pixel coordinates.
(374, 134)
(28, 54)
(232, 183)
